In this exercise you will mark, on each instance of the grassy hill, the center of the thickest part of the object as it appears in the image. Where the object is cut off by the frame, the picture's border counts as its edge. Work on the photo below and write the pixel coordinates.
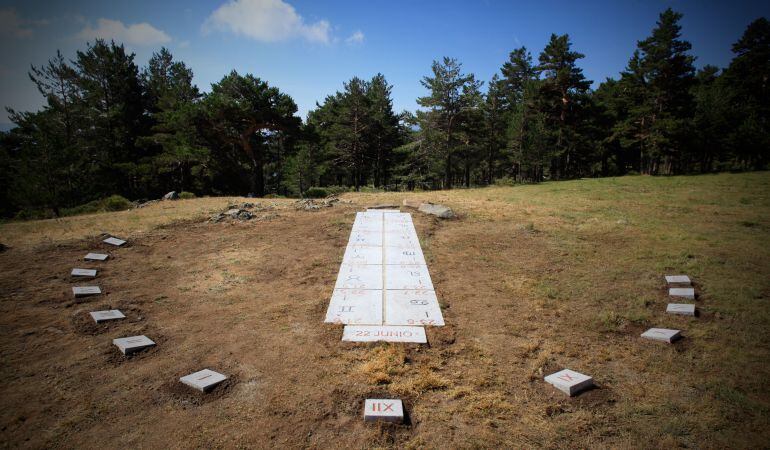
(531, 279)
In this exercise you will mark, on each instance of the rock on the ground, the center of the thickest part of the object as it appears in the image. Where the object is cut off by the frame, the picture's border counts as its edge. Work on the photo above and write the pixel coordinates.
(308, 204)
(440, 211)
(383, 206)
(171, 196)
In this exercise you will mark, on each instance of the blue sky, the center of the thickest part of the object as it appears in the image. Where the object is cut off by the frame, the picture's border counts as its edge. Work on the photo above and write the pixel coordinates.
(309, 48)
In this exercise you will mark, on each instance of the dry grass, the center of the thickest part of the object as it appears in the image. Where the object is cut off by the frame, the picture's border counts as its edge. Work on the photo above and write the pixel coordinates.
(121, 223)
(531, 279)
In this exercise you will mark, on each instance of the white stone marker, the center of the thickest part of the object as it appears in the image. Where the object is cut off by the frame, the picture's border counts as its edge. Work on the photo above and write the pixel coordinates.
(678, 280)
(367, 333)
(96, 257)
(203, 380)
(85, 291)
(662, 334)
(407, 277)
(90, 273)
(366, 239)
(682, 309)
(384, 410)
(356, 254)
(688, 293)
(103, 316)
(569, 381)
(404, 255)
(412, 307)
(114, 241)
(359, 276)
(355, 307)
(133, 344)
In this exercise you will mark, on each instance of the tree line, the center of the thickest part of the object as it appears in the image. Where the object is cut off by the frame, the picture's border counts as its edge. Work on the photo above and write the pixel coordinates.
(109, 127)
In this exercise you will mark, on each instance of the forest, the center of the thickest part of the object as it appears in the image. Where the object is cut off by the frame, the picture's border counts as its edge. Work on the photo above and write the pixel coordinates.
(111, 128)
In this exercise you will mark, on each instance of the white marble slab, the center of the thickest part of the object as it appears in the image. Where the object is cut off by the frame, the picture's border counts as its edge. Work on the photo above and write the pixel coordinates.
(355, 254)
(569, 381)
(355, 307)
(368, 239)
(87, 273)
(85, 291)
(678, 279)
(407, 277)
(203, 380)
(688, 293)
(359, 276)
(682, 309)
(114, 241)
(383, 410)
(367, 333)
(369, 215)
(412, 307)
(367, 228)
(398, 217)
(662, 334)
(104, 316)
(401, 241)
(404, 255)
(133, 344)
(96, 257)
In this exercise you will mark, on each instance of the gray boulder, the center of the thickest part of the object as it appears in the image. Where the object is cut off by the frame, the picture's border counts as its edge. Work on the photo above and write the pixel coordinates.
(439, 211)
(171, 196)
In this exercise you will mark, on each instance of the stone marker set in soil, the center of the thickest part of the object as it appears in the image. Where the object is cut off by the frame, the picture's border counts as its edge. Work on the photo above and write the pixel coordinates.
(203, 381)
(571, 382)
(679, 286)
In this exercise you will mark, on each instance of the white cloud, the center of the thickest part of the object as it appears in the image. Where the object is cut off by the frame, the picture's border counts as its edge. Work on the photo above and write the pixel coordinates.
(136, 34)
(356, 38)
(266, 21)
(12, 25)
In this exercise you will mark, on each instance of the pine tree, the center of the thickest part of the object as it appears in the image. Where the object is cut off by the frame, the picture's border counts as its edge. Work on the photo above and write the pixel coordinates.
(748, 77)
(246, 114)
(560, 99)
(172, 103)
(452, 99)
(661, 75)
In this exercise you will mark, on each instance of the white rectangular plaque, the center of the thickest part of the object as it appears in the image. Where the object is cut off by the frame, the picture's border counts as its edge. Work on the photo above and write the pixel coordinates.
(678, 279)
(365, 239)
(359, 276)
(355, 254)
(367, 333)
(203, 380)
(355, 306)
(103, 316)
(682, 309)
(133, 344)
(404, 255)
(87, 273)
(412, 307)
(114, 241)
(662, 334)
(569, 381)
(96, 257)
(688, 293)
(407, 277)
(84, 291)
(383, 410)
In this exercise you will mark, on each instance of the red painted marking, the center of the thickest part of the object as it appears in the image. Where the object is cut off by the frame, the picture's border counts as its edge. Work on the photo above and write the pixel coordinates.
(566, 377)
(388, 407)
